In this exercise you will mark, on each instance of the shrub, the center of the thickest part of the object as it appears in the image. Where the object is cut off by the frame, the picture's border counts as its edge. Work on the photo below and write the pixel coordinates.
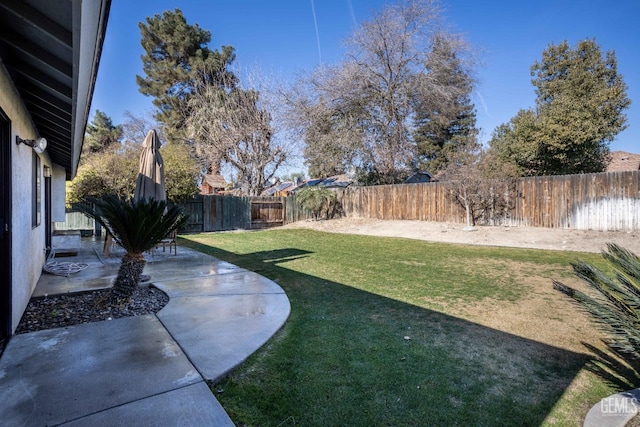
(318, 200)
(137, 226)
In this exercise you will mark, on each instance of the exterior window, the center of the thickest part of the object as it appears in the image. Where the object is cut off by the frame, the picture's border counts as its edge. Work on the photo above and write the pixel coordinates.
(36, 192)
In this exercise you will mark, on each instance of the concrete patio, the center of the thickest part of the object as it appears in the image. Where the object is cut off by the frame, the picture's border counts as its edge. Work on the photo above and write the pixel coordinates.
(146, 370)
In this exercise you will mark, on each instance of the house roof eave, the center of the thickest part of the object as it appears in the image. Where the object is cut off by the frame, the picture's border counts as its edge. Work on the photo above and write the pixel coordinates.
(51, 49)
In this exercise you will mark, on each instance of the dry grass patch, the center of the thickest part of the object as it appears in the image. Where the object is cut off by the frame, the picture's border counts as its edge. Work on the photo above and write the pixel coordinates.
(540, 314)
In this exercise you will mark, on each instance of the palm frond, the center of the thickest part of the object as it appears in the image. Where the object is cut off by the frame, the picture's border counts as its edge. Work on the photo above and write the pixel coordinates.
(137, 226)
(615, 306)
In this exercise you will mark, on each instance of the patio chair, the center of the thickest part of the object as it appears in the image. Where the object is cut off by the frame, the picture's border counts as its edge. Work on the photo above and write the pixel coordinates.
(170, 240)
(109, 244)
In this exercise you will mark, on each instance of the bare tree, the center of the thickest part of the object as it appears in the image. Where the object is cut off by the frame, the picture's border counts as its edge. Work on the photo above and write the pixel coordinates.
(485, 194)
(464, 183)
(333, 142)
(390, 69)
(136, 127)
(238, 127)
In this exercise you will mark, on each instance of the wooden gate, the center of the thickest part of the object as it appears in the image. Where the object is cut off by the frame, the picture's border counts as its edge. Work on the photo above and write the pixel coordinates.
(265, 214)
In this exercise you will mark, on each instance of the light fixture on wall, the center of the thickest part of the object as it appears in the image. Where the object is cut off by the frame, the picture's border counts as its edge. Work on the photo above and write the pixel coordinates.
(39, 145)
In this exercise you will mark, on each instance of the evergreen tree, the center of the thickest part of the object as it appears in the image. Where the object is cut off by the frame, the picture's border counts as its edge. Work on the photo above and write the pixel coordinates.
(101, 133)
(580, 106)
(580, 102)
(177, 62)
(516, 144)
(451, 125)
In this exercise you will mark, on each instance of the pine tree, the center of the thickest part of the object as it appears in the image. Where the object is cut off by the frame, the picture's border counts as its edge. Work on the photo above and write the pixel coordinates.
(177, 62)
(101, 133)
(441, 131)
(580, 107)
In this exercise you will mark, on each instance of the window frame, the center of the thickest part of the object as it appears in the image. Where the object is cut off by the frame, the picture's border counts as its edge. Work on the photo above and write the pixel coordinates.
(36, 192)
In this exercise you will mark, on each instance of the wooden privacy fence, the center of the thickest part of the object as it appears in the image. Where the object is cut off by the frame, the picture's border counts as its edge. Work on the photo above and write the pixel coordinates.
(603, 201)
(424, 202)
(213, 213)
(77, 221)
(221, 213)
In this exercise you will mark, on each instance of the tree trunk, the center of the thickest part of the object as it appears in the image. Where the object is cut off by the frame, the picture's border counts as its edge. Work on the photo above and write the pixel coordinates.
(128, 278)
(467, 206)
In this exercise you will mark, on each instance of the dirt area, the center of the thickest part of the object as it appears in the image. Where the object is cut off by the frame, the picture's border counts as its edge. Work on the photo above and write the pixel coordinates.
(520, 237)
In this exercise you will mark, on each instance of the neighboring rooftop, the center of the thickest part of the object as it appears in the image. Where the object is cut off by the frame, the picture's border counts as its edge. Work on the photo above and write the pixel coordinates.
(280, 189)
(337, 181)
(419, 177)
(622, 161)
(287, 187)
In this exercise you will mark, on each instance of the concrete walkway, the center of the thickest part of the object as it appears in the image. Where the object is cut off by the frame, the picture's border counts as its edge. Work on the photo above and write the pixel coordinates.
(146, 370)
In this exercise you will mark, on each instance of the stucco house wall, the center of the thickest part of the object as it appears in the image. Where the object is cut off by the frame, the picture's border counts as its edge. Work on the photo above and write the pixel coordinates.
(41, 95)
(28, 242)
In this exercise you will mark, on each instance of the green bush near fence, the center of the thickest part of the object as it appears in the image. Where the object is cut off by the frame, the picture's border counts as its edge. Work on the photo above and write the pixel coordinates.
(319, 201)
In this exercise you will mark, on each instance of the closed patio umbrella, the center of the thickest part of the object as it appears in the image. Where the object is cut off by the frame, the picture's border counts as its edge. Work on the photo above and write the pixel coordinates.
(150, 182)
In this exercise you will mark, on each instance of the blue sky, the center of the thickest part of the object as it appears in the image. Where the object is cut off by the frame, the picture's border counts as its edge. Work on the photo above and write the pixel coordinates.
(280, 37)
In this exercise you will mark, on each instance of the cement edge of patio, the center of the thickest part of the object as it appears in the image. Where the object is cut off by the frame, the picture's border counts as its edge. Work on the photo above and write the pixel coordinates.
(615, 410)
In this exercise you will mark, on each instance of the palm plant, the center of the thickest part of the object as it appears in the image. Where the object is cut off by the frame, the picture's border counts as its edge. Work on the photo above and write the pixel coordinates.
(616, 305)
(317, 200)
(137, 226)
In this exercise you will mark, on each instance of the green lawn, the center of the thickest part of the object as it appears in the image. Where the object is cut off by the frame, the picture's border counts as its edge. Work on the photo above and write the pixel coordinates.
(402, 332)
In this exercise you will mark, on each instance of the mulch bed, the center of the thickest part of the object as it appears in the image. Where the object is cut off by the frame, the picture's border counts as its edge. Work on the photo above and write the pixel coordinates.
(73, 309)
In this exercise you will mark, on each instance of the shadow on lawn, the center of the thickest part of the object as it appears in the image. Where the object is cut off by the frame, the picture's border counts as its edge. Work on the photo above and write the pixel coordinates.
(350, 357)
(619, 370)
